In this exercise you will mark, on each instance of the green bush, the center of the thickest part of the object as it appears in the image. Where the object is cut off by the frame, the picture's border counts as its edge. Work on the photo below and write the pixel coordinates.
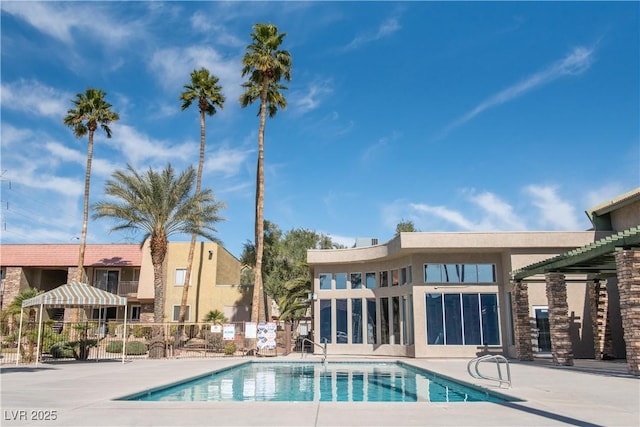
(133, 348)
(140, 331)
(216, 342)
(61, 350)
(230, 348)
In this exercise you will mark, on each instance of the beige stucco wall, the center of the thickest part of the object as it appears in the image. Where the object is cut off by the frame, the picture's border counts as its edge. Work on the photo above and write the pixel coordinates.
(626, 217)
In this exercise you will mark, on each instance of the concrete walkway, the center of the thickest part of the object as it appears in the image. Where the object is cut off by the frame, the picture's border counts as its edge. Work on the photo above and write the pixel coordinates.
(81, 394)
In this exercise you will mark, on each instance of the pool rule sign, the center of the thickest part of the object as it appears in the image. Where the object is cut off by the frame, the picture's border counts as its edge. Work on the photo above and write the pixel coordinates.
(266, 336)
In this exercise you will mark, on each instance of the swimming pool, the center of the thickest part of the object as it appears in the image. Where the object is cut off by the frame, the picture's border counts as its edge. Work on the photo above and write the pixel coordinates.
(309, 382)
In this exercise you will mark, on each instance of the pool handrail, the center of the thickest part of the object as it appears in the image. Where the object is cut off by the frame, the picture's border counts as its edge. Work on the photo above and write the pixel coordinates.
(486, 358)
(323, 347)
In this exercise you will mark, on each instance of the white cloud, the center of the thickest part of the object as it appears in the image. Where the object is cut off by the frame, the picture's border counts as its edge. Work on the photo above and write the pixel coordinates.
(500, 213)
(137, 147)
(62, 20)
(12, 135)
(173, 66)
(311, 98)
(576, 62)
(446, 214)
(388, 27)
(554, 211)
(600, 195)
(31, 96)
(227, 161)
(99, 166)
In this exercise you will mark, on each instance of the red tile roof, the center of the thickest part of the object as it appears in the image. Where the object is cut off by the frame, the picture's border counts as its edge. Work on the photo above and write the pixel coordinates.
(66, 255)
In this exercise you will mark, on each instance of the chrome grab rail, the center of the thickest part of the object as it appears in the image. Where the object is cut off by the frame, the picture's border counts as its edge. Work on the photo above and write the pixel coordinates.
(323, 347)
(498, 360)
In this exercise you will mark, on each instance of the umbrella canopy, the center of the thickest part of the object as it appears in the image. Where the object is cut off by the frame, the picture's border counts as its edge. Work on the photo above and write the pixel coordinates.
(76, 295)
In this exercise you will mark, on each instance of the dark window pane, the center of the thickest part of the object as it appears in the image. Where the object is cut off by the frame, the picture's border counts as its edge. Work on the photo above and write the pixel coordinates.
(371, 321)
(341, 322)
(395, 301)
(452, 273)
(325, 281)
(435, 328)
(356, 280)
(395, 278)
(471, 313)
(384, 279)
(453, 319)
(356, 321)
(490, 327)
(384, 320)
(325, 320)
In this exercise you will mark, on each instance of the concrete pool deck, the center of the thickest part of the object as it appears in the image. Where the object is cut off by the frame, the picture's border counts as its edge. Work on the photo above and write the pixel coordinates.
(590, 394)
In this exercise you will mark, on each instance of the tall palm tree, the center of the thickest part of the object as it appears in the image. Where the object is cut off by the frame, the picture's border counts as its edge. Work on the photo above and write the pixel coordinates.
(205, 89)
(265, 65)
(90, 111)
(159, 204)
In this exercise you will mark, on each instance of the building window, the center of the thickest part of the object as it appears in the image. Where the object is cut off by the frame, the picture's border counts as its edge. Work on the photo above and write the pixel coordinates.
(356, 321)
(325, 281)
(325, 320)
(409, 275)
(459, 273)
(384, 279)
(135, 312)
(181, 274)
(462, 319)
(341, 280)
(342, 337)
(395, 304)
(371, 321)
(395, 278)
(370, 280)
(384, 320)
(176, 313)
(356, 280)
(403, 276)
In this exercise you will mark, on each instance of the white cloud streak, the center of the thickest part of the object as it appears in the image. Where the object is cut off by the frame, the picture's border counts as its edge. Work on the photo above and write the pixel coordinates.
(576, 62)
(554, 211)
(31, 96)
(385, 29)
(227, 161)
(310, 99)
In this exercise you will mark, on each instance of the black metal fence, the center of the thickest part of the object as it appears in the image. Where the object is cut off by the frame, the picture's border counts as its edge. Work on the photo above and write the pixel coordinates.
(94, 340)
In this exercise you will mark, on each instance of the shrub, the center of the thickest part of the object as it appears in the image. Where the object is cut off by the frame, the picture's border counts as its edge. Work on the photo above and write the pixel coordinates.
(133, 348)
(216, 342)
(230, 348)
(61, 350)
(140, 331)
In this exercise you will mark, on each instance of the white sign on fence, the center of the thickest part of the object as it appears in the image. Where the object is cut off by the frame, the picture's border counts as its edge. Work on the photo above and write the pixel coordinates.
(250, 330)
(228, 332)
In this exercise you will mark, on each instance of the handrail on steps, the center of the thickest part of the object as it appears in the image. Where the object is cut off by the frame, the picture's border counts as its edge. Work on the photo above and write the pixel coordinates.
(323, 347)
(498, 359)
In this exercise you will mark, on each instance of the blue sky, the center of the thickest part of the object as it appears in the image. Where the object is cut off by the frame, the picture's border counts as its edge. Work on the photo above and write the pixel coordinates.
(457, 116)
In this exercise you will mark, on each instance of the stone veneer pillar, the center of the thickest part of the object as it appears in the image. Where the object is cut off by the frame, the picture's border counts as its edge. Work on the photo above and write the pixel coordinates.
(12, 282)
(146, 313)
(628, 271)
(521, 321)
(561, 347)
(599, 302)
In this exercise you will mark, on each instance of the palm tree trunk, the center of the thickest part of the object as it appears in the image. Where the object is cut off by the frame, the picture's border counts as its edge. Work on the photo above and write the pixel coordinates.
(158, 247)
(85, 213)
(258, 309)
(192, 245)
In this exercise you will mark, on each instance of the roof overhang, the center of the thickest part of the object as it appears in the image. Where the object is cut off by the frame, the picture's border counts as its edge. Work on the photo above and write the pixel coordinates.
(597, 258)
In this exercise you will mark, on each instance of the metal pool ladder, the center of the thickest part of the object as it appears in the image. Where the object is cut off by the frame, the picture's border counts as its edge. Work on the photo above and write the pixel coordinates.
(490, 358)
(323, 347)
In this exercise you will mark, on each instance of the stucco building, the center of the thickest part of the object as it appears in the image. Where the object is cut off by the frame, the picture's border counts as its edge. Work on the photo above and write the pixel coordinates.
(454, 294)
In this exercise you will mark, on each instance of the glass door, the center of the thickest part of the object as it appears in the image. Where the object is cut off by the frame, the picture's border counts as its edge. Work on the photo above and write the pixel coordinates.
(107, 280)
(542, 326)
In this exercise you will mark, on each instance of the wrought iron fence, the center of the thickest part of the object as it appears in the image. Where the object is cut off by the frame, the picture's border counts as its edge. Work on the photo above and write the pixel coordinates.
(96, 340)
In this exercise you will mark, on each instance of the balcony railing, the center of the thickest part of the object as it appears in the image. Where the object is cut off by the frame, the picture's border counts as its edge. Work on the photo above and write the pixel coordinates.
(122, 288)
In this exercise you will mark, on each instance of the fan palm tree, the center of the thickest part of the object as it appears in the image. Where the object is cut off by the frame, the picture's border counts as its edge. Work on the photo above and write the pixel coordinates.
(205, 89)
(216, 317)
(159, 204)
(265, 65)
(90, 111)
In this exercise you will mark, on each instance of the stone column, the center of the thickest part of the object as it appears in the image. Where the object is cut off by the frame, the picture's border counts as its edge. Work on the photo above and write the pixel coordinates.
(599, 302)
(561, 347)
(628, 271)
(12, 285)
(521, 321)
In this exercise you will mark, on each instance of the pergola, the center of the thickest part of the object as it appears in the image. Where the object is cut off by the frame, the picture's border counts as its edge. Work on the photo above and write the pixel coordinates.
(72, 295)
(616, 256)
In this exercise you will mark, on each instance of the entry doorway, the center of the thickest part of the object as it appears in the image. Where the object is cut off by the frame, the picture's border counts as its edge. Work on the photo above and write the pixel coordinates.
(543, 332)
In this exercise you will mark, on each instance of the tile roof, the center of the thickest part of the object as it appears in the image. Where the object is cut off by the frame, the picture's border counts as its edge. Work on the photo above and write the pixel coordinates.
(66, 255)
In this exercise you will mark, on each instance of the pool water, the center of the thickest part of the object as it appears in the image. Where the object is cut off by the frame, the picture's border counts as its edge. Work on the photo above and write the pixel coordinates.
(309, 382)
